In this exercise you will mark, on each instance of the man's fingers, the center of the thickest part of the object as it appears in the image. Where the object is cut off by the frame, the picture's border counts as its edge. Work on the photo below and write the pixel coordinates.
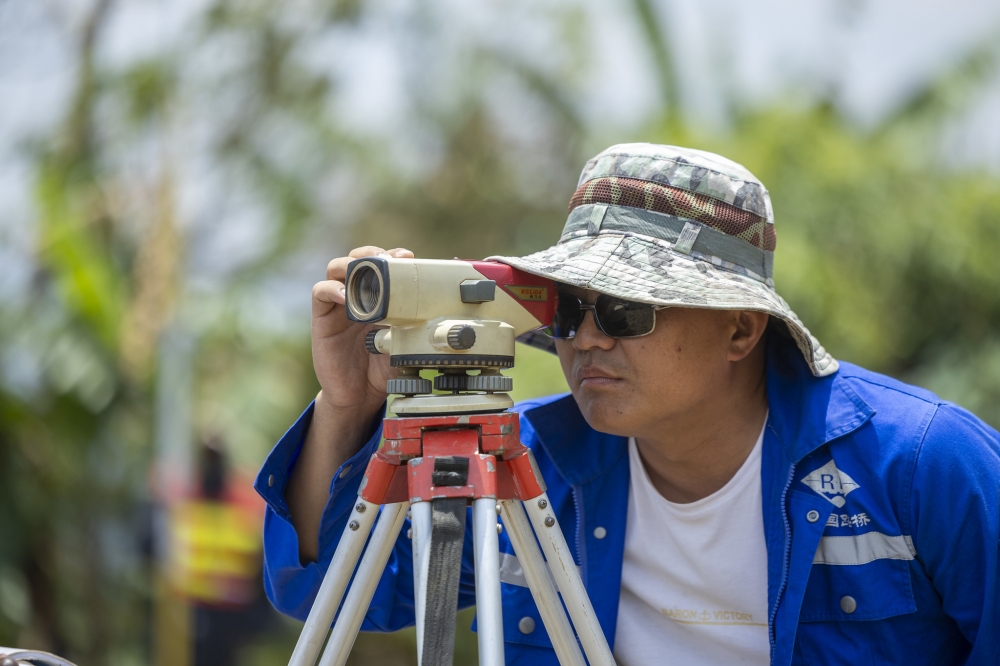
(366, 251)
(326, 295)
(337, 269)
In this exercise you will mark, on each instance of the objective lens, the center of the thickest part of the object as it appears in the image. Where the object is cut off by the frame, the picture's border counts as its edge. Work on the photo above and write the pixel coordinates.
(366, 291)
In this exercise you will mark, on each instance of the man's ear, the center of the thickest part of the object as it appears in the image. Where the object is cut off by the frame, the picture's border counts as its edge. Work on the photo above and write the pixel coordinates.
(748, 327)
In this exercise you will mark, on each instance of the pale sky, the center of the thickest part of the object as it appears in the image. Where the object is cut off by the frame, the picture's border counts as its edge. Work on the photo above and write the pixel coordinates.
(873, 54)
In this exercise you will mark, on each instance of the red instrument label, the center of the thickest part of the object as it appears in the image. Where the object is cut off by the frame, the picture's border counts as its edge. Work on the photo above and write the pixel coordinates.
(526, 293)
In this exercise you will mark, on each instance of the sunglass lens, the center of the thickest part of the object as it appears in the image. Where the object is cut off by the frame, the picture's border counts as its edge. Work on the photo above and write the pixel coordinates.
(568, 317)
(624, 319)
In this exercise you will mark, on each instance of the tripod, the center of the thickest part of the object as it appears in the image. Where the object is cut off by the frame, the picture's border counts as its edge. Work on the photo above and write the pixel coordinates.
(435, 466)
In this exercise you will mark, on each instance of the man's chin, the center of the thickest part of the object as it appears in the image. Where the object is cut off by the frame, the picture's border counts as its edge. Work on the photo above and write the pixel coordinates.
(605, 415)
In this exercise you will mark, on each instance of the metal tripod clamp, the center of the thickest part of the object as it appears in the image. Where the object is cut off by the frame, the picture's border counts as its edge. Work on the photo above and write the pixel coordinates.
(500, 466)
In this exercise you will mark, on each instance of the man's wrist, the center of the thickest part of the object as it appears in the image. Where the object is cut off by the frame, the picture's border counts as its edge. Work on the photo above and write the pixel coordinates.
(351, 421)
(335, 435)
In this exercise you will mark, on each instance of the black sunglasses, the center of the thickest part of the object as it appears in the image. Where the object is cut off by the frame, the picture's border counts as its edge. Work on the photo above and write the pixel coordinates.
(615, 317)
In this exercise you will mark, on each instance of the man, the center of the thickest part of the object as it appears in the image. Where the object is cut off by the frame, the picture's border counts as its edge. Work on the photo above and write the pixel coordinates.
(734, 494)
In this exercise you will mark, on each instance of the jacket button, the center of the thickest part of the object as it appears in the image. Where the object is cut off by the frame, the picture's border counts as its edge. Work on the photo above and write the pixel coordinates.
(270, 481)
(812, 516)
(344, 472)
(526, 625)
(600, 533)
(848, 605)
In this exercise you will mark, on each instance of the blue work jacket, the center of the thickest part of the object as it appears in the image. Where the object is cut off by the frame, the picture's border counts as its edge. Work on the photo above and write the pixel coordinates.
(881, 513)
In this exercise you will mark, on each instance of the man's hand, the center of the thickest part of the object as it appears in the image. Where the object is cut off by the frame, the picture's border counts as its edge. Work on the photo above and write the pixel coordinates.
(352, 380)
(353, 391)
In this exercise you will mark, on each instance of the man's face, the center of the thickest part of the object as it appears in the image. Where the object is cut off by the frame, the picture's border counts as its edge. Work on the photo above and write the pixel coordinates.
(632, 386)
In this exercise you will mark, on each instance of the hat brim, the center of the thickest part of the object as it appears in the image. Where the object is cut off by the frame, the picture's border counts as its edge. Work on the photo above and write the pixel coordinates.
(648, 270)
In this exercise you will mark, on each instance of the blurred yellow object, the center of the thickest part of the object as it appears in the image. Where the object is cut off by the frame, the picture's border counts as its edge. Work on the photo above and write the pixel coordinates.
(215, 554)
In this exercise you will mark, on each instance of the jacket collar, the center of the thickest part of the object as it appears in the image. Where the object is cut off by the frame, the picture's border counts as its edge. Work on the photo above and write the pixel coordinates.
(579, 452)
(805, 413)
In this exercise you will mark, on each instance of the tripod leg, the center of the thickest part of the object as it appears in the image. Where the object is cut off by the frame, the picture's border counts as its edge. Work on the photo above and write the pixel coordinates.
(487, 556)
(540, 583)
(334, 583)
(567, 577)
(345, 631)
(420, 519)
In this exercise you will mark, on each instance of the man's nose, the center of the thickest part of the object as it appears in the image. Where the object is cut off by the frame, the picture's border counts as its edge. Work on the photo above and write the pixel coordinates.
(588, 336)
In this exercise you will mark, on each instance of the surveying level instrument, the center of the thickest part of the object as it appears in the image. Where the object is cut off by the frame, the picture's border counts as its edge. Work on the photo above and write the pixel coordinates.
(444, 452)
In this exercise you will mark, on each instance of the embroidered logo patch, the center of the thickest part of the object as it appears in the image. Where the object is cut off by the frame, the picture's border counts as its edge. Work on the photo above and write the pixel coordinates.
(831, 483)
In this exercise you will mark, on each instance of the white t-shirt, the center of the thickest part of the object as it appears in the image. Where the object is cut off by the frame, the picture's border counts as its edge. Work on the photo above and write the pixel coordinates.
(694, 577)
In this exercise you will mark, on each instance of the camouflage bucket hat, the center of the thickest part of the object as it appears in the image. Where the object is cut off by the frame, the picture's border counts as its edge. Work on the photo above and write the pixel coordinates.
(671, 226)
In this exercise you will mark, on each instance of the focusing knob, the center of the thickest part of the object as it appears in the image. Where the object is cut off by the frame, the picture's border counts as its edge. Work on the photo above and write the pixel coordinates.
(370, 342)
(452, 382)
(408, 385)
(461, 337)
(489, 383)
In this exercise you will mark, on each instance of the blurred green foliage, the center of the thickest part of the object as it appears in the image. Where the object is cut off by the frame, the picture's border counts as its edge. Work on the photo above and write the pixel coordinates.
(886, 253)
(891, 261)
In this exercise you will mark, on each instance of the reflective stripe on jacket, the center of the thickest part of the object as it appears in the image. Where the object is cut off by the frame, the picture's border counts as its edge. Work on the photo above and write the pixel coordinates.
(881, 508)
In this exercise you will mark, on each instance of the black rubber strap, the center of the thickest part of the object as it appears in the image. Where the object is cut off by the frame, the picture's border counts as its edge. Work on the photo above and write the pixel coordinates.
(444, 569)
